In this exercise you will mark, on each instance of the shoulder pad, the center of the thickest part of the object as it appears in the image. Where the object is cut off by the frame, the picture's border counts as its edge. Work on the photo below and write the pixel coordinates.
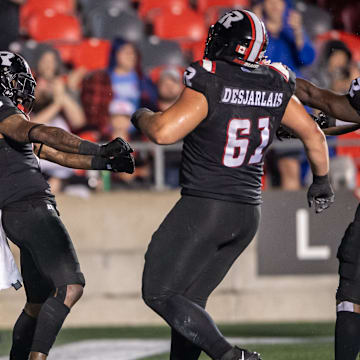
(286, 73)
(354, 94)
(196, 75)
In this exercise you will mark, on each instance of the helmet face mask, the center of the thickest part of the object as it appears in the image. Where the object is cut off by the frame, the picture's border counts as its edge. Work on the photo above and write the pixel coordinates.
(239, 36)
(16, 80)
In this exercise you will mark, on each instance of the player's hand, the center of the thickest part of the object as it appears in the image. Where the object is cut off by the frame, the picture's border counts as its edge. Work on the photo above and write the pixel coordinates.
(320, 193)
(323, 120)
(120, 163)
(116, 147)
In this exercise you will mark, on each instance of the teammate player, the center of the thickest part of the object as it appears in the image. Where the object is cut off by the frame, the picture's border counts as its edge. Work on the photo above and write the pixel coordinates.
(227, 114)
(347, 330)
(50, 269)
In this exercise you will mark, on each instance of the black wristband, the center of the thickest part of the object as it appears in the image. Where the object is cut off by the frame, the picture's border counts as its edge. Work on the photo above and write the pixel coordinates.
(89, 148)
(100, 163)
(320, 179)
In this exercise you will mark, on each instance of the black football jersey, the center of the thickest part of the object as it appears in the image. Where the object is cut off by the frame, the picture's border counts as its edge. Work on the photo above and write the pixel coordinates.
(20, 174)
(222, 157)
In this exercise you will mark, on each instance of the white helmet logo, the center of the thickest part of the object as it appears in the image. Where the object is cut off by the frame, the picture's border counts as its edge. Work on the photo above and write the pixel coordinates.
(5, 58)
(230, 17)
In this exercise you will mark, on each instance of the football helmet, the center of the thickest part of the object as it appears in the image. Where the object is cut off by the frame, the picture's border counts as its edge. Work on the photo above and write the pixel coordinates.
(238, 36)
(16, 80)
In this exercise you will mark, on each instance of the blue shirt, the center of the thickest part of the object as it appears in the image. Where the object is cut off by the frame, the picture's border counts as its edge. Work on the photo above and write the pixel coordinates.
(126, 88)
(283, 49)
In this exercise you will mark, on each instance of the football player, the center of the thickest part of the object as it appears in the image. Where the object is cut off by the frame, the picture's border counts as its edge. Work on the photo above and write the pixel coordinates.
(227, 115)
(49, 265)
(347, 329)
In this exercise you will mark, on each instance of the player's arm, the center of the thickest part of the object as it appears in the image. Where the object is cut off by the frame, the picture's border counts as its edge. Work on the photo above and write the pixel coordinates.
(175, 123)
(331, 103)
(299, 121)
(340, 130)
(87, 162)
(18, 128)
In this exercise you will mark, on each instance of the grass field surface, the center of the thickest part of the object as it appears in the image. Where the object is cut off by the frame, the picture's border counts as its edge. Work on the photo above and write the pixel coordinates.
(273, 341)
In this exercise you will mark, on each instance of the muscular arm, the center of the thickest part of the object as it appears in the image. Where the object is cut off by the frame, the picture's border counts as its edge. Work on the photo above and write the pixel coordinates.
(17, 128)
(75, 161)
(340, 130)
(329, 102)
(298, 120)
(175, 123)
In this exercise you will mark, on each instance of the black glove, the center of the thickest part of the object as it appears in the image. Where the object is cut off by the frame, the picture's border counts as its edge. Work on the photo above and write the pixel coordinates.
(122, 163)
(322, 120)
(116, 147)
(321, 193)
(136, 116)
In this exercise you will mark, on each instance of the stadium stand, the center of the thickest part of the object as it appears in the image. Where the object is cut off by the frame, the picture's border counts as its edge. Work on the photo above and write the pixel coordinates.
(48, 25)
(111, 22)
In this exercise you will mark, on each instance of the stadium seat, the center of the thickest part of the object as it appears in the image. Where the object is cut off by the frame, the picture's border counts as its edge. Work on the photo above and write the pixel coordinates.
(49, 25)
(187, 26)
(205, 5)
(351, 40)
(112, 22)
(156, 52)
(66, 50)
(92, 54)
(35, 6)
(88, 5)
(310, 12)
(150, 8)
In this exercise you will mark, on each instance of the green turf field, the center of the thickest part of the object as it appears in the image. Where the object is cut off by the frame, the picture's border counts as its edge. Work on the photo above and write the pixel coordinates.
(317, 350)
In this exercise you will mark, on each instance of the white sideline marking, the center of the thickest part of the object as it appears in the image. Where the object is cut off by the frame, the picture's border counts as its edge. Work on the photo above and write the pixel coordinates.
(131, 349)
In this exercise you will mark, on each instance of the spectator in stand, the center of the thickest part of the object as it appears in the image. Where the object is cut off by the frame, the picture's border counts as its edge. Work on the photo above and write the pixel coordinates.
(96, 96)
(54, 106)
(288, 42)
(170, 86)
(9, 22)
(289, 45)
(128, 82)
(121, 82)
(334, 57)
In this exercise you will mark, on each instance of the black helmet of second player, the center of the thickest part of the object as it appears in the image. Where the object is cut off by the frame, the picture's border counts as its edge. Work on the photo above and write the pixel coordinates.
(239, 36)
(16, 80)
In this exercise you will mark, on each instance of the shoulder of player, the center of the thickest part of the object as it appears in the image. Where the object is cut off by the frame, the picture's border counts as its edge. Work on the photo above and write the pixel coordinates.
(279, 69)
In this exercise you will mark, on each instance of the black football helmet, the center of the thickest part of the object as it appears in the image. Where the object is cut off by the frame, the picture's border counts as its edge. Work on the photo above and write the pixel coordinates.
(16, 80)
(238, 36)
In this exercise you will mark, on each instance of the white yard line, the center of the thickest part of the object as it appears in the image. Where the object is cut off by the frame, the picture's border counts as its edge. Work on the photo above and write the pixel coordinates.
(131, 349)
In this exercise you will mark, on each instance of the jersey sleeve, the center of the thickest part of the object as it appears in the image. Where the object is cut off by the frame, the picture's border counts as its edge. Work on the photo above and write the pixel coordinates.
(7, 108)
(196, 76)
(354, 94)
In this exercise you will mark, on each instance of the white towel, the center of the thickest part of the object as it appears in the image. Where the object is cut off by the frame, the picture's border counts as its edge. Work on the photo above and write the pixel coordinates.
(9, 272)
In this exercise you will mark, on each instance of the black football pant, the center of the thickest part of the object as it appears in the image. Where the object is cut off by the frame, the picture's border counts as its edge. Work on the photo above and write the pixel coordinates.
(187, 258)
(48, 261)
(47, 255)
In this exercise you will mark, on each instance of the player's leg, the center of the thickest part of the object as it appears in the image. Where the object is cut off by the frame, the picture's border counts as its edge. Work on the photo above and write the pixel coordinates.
(37, 290)
(213, 274)
(39, 229)
(347, 329)
(179, 252)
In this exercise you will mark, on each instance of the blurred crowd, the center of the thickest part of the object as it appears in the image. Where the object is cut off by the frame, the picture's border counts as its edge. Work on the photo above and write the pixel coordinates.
(96, 62)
